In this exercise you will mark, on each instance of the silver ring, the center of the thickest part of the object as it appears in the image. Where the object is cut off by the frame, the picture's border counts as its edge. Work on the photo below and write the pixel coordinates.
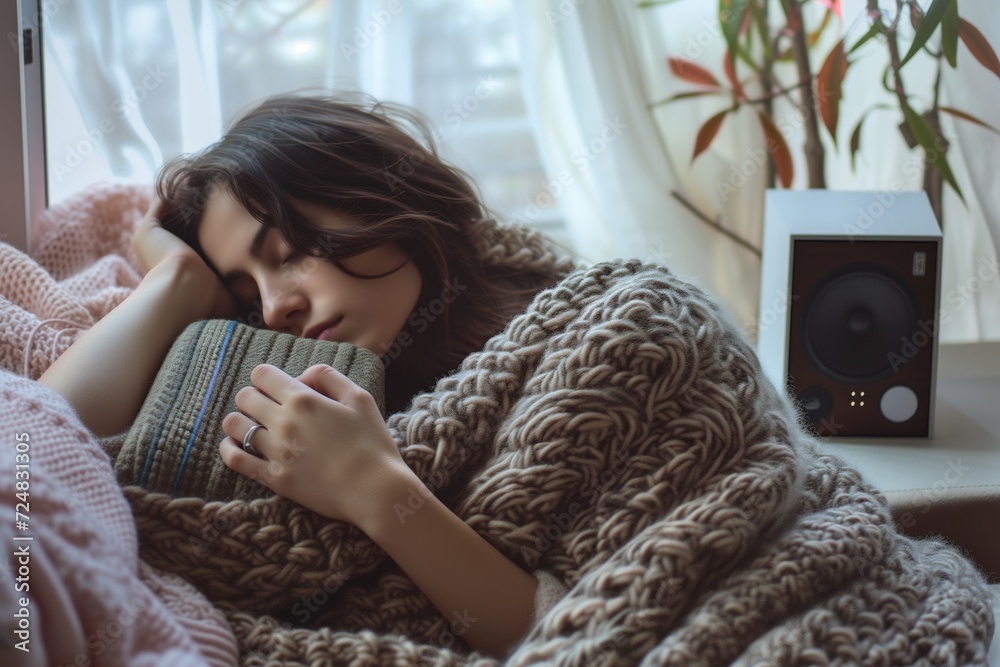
(247, 447)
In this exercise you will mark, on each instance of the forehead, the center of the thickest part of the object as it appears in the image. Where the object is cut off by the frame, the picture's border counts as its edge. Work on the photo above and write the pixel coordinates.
(227, 230)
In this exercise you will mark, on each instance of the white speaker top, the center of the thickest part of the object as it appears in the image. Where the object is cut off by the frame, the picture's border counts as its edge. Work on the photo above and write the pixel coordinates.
(845, 214)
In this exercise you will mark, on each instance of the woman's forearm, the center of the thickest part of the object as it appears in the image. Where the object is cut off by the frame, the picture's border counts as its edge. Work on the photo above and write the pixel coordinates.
(106, 373)
(488, 600)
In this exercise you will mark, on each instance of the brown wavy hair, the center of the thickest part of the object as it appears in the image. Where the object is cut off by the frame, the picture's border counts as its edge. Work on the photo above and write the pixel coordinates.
(377, 162)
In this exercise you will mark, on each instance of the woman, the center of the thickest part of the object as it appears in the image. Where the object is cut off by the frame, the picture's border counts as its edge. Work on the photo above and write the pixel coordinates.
(325, 217)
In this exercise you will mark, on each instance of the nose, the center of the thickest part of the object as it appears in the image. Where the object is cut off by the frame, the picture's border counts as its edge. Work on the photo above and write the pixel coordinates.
(282, 304)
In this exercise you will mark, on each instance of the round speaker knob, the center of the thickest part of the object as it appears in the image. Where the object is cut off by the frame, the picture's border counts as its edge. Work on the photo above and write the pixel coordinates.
(815, 402)
(899, 403)
(853, 321)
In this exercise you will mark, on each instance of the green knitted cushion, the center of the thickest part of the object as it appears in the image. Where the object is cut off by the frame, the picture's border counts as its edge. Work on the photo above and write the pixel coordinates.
(172, 446)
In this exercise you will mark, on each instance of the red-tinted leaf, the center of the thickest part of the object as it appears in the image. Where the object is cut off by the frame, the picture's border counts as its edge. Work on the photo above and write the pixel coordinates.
(968, 117)
(707, 133)
(833, 6)
(730, 68)
(916, 15)
(814, 36)
(778, 148)
(829, 87)
(691, 72)
(978, 45)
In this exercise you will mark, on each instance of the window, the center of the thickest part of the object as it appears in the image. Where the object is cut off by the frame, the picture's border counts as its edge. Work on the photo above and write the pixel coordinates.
(131, 83)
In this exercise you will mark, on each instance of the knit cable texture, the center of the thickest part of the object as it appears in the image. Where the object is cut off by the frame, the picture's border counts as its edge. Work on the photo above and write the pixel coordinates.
(620, 435)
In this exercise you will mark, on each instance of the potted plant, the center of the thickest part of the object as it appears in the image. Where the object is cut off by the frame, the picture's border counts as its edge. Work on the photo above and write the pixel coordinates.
(757, 41)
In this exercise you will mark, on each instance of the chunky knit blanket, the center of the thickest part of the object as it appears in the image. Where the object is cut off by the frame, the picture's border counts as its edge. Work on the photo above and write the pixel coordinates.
(620, 435)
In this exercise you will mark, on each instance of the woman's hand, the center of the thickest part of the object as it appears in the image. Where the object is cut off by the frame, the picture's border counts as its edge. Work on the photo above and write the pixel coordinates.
(152, 243)
(158, 250)
(323, 443)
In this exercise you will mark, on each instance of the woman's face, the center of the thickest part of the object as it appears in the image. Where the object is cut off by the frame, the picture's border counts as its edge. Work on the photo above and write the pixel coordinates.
(301, 294)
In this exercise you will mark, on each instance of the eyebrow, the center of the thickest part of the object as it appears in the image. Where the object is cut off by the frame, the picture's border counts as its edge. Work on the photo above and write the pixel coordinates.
(255, 247)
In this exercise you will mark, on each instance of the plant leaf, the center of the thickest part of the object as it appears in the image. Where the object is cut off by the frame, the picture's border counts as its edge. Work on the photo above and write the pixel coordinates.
(731, 20)
(872, 32)
(949, 34)
(856, 134)
(977, 44)
(813, 37)
(885, 79)
(856, 139)
(707, 133)
(830, 87)
(916, 16)
(969, 117)
(730, 68)
(758, 20)
(684, 96)
(778, 148)
(691, 72)
(924, 134)
(927, 26)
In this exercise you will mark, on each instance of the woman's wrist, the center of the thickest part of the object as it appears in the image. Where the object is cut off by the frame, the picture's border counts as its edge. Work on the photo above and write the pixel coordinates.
(396, 495)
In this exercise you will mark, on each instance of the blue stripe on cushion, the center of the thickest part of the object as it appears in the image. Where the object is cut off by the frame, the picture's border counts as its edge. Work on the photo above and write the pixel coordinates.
(174, 401)
(204, 406)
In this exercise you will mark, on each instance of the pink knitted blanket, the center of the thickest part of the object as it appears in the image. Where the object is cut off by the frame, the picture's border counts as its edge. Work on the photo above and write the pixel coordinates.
(75, 591)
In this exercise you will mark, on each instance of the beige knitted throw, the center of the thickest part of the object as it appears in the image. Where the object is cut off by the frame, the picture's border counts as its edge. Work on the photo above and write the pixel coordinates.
(619, 434)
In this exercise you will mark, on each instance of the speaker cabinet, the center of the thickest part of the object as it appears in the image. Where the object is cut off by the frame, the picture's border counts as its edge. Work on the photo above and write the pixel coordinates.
(848, 308)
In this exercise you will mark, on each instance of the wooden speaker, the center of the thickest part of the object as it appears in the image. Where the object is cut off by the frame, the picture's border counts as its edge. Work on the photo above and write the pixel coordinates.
(848, 308)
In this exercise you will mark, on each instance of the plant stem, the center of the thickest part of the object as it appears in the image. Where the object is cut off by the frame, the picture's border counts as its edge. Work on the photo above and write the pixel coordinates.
(814, 151)
(714, 224)
(767, 86)
(932, 181)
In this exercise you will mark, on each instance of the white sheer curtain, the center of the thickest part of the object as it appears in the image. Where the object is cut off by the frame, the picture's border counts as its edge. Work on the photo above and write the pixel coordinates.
(131, 83)
(591, 62)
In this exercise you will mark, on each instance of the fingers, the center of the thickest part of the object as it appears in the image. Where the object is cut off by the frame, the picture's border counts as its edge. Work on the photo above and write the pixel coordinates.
(256, 402)
(156, 210)
(231, 448)
(150, 241)
(237, 425)
(321, 378)
(330, 382)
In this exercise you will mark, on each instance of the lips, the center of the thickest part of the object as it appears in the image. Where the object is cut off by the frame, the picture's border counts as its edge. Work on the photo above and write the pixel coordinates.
(326, 330)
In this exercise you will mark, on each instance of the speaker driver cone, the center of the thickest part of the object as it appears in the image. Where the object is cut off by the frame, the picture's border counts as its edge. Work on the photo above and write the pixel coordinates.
(853, 321)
